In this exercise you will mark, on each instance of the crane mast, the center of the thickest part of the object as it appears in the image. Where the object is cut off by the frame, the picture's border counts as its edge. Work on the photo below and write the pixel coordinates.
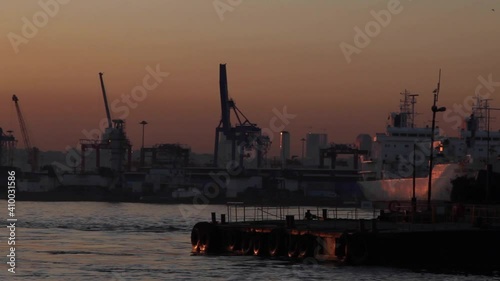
(108, 115)
(32, 151)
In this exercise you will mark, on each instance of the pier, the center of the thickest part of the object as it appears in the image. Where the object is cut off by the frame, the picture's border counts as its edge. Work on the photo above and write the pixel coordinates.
(463, 237)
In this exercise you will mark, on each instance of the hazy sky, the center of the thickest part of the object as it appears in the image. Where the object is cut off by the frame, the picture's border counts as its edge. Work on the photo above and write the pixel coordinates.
(278, 53)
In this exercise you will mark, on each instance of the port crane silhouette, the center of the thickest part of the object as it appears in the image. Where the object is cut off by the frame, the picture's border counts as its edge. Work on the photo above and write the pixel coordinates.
(243, 135)
(31, 150)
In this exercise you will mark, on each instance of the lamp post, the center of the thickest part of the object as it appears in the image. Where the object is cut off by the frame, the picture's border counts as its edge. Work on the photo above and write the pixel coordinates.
(143, 123)
(434, 110)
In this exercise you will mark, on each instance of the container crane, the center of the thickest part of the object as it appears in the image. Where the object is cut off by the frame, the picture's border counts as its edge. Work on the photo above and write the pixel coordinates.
(31, 150)
(243, 136)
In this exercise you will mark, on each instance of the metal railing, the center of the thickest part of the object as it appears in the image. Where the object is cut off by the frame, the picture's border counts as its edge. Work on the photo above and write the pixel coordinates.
(445, 213)
(477, 214)
(439, 213)
(239, 212)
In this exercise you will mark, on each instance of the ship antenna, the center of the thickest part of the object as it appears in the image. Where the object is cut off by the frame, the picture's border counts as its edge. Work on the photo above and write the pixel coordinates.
(437, 89)
(413, 102)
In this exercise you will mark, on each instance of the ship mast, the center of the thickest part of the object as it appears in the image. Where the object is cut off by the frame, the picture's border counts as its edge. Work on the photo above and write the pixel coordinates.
(480, 112)
(407, 114)
(413, 102)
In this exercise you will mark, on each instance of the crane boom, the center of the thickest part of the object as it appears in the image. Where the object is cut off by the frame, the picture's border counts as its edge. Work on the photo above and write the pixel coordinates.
(32, 151)
(108, 115)
(224, 99)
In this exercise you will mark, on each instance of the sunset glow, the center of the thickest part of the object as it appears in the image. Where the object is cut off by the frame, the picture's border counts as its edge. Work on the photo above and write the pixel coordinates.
(278, 53)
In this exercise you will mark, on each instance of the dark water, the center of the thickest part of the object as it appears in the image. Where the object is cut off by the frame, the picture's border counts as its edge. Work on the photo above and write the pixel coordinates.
(123, 241)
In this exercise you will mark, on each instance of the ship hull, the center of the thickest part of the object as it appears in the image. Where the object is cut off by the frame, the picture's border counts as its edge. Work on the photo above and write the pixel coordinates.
(402, 189)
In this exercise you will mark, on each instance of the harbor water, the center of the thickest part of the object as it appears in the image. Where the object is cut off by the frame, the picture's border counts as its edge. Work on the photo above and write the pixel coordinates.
(132, 241)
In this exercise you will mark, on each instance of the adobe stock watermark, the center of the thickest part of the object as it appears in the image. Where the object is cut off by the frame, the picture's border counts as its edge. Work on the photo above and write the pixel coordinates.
(363, 38)
(421, 153)
(221, 179)
(277, 123)
(121, 107)
(40, 19)
(118, 276)
(223, 6)
(304, 269)
(484, 90)
(298, 269)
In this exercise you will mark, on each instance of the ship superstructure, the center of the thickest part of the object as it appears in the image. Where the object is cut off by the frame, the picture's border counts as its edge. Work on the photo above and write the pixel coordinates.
(392, 152)
(403, 149)
(478, 144)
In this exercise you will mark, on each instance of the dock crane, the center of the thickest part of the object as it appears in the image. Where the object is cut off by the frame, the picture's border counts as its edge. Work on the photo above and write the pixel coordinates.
(245, 135)
(113, 138)
(31, 150)
(108, 114)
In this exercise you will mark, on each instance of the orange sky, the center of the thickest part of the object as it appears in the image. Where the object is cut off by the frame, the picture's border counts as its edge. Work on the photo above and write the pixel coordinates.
(278, 53)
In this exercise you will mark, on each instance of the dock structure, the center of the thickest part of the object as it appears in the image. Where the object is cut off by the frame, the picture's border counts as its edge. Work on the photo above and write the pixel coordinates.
(466, 238)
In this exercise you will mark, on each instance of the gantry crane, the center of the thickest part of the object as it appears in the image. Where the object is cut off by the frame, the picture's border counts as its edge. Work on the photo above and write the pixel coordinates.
(31, 150)
(244, 135)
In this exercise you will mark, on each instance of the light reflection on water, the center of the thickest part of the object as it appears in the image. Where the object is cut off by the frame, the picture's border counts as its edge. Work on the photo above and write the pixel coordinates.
(122, 241)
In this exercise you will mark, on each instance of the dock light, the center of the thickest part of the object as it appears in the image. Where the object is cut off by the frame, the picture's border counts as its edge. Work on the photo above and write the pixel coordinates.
(143, 123)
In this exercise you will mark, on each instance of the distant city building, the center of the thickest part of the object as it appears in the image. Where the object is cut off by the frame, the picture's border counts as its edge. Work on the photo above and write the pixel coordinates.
(314, 142)
(284, 147)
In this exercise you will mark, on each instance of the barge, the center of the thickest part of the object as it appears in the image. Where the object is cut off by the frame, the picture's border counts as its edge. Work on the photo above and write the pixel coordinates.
(444, 237)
